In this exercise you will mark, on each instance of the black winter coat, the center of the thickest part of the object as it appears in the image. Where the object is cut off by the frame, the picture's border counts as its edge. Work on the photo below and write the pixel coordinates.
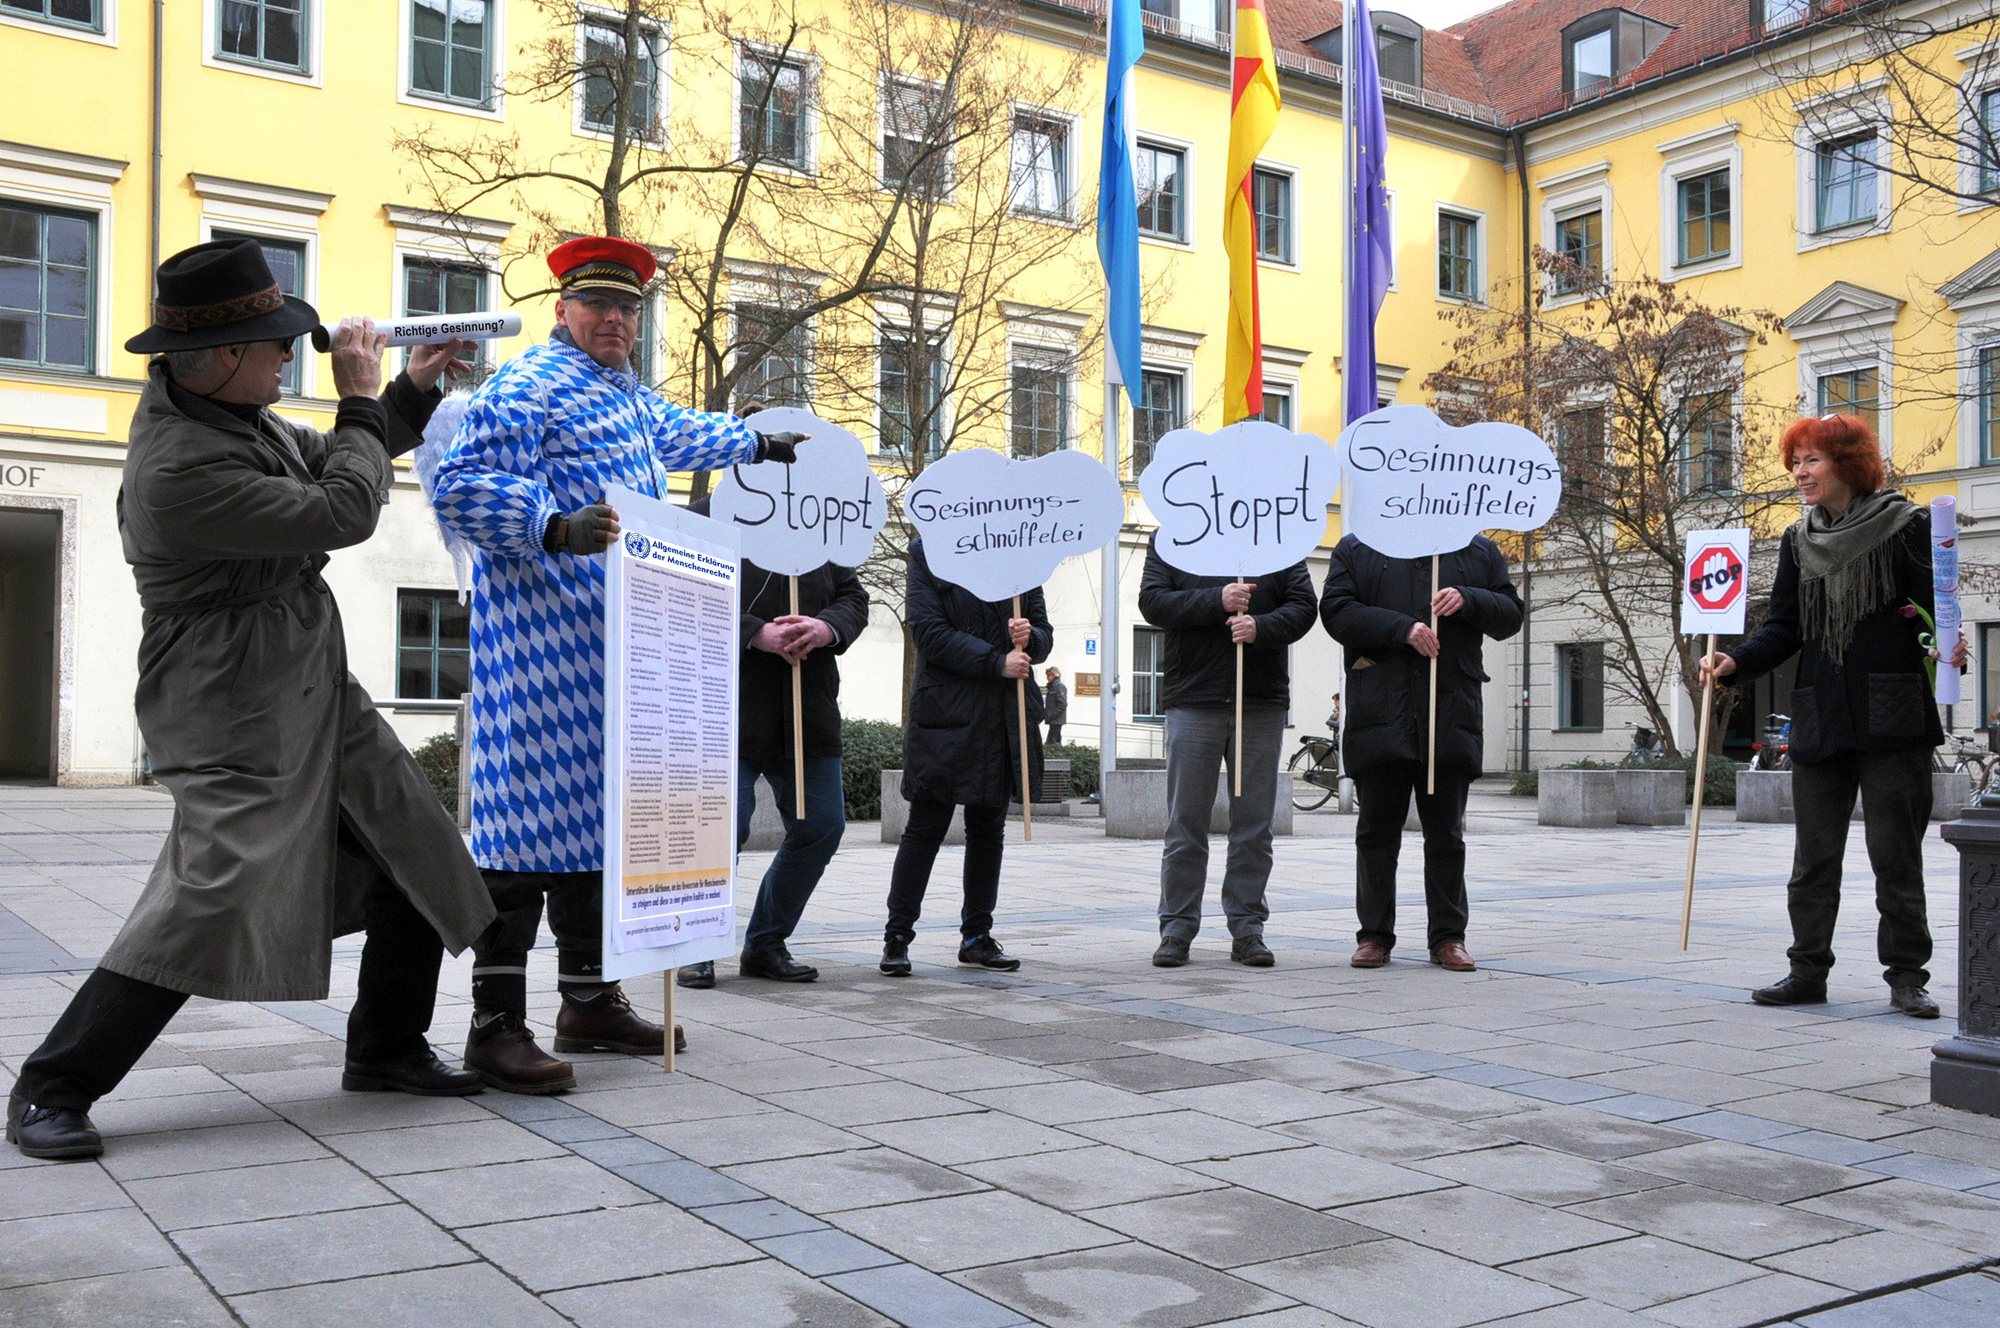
(1200, 664)
(1369, 605)
(1879, 698)
(963, 741)
(835, 596)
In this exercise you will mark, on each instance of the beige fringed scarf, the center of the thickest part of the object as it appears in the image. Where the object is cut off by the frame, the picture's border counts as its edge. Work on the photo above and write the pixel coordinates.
(1847, 565)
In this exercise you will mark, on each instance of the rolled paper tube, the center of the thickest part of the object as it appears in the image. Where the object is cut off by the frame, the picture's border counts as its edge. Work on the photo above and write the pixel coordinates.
(433, 329)
(1944, 593)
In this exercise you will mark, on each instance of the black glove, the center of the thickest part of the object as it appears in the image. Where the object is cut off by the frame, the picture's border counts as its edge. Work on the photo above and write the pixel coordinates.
(781, 447)
(588, 530)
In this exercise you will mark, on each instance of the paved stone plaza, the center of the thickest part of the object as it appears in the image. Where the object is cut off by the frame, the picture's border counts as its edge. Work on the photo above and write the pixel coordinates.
(1594, 1130)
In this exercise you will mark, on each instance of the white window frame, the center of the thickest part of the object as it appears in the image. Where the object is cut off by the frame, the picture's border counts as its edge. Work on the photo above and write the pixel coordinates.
(1284, 369)
(1700, 153)
(809, 63)
(809, 330)
(885, 87)
(1823, 119)
(76, 183)
(1071, 215)
(1569, 195)
(1295, 229)
(1974, 297)
(891, 317)
(1982, 75)
(107, 35)
(1038, 353)
(1835, 343)
(273, 213)
(1478, 218)
(661, 35)
(312, 37)
(496, 75)
(1190, 213)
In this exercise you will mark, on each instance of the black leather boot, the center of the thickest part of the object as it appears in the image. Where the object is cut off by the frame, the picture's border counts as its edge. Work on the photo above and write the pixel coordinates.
(420, 1073)
(57, 1133)
(1791, 991)
(776, 964)
(896, 958)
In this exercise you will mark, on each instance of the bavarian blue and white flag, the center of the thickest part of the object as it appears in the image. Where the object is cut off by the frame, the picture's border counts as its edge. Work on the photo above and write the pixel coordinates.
(1118, 199)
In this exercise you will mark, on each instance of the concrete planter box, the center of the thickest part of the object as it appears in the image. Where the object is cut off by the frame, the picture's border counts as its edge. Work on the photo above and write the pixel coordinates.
(1766, 795)
(1650, 797)
(896, 812)
(1135, 805)
(1951, 793)
(1586, 799)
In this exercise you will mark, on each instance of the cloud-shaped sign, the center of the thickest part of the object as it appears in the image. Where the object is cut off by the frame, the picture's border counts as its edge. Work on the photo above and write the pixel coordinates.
(998, 526)
(826, 507)
(1247, 500)
(1413, 486)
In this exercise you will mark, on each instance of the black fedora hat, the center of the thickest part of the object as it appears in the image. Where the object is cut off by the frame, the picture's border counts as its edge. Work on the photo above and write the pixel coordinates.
(220, 294)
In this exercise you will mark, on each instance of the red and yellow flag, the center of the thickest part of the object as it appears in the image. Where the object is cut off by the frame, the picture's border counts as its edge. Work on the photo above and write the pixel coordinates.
(1253, 113)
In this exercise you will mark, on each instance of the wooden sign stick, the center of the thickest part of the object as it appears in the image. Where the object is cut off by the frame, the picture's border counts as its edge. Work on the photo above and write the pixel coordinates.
(1021, 716)
(1431, 779)
(669, 1055)
(1700, 796)
(1237, 764)
(798, 724)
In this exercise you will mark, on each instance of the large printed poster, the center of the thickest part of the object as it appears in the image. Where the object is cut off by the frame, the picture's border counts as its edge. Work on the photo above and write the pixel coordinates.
(670, 649)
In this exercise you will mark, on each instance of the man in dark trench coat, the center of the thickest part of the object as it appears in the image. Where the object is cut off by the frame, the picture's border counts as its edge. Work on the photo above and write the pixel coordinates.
(298, 815)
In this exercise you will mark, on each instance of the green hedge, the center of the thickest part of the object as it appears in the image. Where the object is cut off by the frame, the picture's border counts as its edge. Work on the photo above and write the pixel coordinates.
(1083, 766)
(867, 748)
(437, 757)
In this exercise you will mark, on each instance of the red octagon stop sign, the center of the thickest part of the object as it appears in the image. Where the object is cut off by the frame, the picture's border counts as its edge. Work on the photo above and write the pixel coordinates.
(1715, 578)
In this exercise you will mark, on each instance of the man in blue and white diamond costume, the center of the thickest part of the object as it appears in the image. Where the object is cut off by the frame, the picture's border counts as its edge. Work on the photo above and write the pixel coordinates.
(523, 482)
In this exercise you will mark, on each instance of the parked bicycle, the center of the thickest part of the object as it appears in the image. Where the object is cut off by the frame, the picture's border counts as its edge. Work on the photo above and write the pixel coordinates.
(1647, 747)
(1316, 767)
(1976, 759)
(1775, 752)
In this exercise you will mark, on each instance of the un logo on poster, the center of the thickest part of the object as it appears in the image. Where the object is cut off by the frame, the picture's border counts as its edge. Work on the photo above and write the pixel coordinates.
(637, 545)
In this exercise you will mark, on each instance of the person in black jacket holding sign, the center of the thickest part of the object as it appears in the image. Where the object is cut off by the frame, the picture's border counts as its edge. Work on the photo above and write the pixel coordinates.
(833, 610)
(1852, 577)
(962, 747)
(1205, 617)
(1379, 609)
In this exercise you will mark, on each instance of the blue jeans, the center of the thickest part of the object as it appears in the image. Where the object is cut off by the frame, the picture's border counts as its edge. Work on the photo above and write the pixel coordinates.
(809, 844)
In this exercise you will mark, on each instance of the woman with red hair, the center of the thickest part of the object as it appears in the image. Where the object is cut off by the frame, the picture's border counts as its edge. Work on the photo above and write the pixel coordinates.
(1852, 575)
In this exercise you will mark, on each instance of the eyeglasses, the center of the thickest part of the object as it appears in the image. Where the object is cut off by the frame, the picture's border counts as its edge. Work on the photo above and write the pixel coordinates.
(602, 307)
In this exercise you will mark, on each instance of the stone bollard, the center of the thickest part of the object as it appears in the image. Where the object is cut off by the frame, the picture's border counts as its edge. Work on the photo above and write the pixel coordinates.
(1135, 804)
(1585, 798)
(1651, 797)
(1965, 1068)
(1765, 796)
(1951, 794)
(896, 812)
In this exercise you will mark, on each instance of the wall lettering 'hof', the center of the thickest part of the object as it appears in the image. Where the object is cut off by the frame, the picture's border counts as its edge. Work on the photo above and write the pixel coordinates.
(1412, 485)
(826, 507)
(999, 527)
(1247, 500)
(14, 475)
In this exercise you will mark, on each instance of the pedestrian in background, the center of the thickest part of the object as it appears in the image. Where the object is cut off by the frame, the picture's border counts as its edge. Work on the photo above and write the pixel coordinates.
(1853, 574)
(1206, 618)
(1055, 704)
(962, 747)
(1379, 608)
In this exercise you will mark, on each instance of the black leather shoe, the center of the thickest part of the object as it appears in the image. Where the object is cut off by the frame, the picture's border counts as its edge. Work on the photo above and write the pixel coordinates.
(986, 952)
(1791, 991)
(1252, 951)
(420, 1073)
(776, 964)
(1913, 1001)
(698, 977)
(896, 958)
(1173, 952)
(57, 1133)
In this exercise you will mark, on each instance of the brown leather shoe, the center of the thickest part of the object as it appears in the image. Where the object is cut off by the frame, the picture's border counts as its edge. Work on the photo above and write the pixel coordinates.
(1372, 954)
(1454, 956)
(502, 1052)
(612, 1026)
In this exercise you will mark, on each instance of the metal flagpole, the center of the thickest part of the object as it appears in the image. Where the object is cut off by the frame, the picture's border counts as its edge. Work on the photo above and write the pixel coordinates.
(1349, 244)
(1107, 632)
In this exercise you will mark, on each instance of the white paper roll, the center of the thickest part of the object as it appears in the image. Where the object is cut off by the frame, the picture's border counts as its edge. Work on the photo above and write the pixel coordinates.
(1944, 592)
(434, 329)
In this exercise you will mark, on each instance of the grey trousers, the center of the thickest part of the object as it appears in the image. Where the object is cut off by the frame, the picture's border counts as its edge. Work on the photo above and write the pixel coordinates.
(1200, 742)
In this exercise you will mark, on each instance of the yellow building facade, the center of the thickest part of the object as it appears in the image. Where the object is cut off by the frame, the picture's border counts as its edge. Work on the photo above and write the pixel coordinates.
(122, 141)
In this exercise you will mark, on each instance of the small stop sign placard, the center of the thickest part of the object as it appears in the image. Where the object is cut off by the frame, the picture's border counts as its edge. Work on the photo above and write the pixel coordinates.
(1717, 585)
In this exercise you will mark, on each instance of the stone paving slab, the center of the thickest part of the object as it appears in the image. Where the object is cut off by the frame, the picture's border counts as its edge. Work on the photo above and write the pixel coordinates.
(1595, 1130)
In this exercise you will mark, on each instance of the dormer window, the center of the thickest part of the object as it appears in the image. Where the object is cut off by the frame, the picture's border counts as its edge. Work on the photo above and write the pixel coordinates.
(1601, 48)
(1399, 48)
